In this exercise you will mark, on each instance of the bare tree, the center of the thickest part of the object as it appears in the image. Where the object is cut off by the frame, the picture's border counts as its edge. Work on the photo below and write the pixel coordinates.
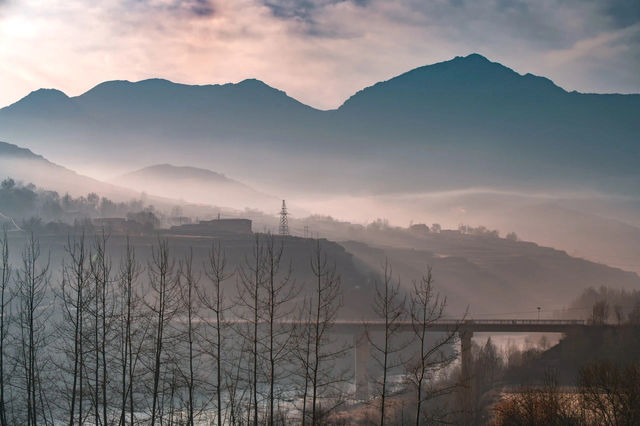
(280, 291)
(233, 385)
(75, 282)
(634, 316)
(390, 307)
(600, 312)
(426, 308)
(5, 278)
(317, 352)
(188, 293)
(619, 312)
(302, 350)
(252, 276)
(130, 270)
(488, 369)
(33, 285)
(214, 302)
(164, 288)
(100, 267)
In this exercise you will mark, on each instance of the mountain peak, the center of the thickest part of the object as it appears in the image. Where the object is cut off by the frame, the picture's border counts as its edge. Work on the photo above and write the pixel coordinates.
(116, 86)
(256, 85)
(476, 57)
(40, 100)
(47, 93)
(472, 75)
(253, 82)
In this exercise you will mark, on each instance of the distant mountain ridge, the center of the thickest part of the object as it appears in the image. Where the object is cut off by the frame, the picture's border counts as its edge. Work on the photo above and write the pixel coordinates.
(14, 151)
(173, 184)
(23, 165)
(179, 172)
(195, 185)
(467, 121)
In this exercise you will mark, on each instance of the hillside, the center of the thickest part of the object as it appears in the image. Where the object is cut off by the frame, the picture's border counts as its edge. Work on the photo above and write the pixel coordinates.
(600, 227)
(494, 277)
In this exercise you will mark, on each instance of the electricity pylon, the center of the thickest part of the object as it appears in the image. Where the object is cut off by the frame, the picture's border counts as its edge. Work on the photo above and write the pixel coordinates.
(284, 221)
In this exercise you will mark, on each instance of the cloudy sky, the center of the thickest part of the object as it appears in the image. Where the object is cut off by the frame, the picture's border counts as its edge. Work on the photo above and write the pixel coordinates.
(318, 51)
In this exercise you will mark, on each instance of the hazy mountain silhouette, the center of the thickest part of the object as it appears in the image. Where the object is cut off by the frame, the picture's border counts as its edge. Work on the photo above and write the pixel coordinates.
(169, 171)
(23, 165)
(195, 185)
(10, 151)
(467, 121)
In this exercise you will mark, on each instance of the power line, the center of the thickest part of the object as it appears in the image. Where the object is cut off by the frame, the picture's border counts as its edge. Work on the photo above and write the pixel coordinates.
(12, 221)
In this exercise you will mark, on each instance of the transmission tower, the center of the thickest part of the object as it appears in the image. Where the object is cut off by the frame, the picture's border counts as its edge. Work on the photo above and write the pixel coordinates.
(284, 222)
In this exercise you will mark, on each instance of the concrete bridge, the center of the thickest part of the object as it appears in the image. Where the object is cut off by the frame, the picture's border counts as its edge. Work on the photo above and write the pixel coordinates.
(465, 330)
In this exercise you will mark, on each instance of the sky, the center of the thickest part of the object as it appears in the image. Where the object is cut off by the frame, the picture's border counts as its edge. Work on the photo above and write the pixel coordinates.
(318, 51)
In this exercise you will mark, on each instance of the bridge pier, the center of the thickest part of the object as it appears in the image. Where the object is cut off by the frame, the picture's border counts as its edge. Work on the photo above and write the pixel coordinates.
(466, 382)
(361, 358)
(465, 329)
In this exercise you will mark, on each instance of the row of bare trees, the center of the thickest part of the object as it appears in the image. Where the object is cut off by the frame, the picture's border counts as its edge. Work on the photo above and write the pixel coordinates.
(167, 341)
(420, 356)
(23, 362)
(175, 340)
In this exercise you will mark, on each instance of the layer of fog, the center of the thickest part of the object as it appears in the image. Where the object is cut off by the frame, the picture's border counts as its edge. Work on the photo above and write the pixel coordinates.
(594, 226)
(590, 224)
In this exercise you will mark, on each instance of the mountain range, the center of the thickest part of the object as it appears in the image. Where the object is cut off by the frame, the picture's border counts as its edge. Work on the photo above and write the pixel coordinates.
(557, 167)
(459, 123)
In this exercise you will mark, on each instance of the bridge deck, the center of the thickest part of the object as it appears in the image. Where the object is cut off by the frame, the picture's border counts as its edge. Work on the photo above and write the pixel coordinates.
(478, 326)
(467, 325)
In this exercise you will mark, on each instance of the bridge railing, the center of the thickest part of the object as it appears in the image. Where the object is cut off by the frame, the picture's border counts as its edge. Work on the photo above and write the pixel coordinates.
(525, 322)
(446, 322)
(472, 321)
